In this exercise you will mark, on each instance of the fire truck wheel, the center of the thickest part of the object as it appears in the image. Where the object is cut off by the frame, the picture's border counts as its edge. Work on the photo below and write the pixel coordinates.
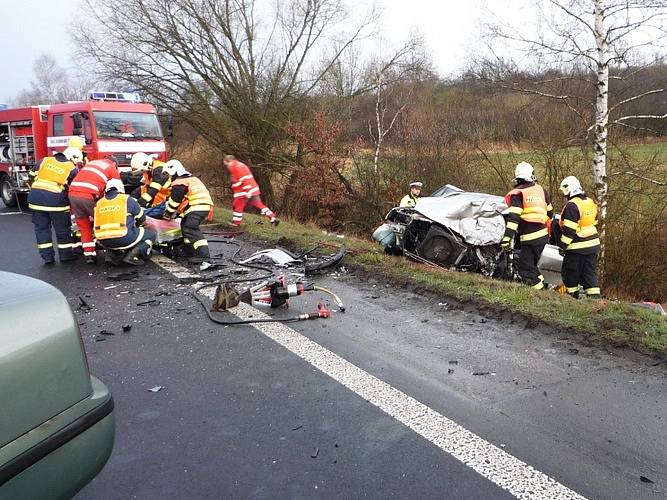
(8, 197)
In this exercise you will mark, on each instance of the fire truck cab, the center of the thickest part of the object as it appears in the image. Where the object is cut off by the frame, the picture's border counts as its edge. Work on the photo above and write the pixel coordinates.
(113, 125)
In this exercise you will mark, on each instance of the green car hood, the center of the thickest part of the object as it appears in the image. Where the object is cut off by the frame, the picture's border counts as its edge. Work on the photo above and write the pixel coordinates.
(43, 368)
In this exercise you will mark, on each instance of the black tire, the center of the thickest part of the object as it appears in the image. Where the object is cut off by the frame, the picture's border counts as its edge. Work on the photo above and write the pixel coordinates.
(6, 194)
(441, 247)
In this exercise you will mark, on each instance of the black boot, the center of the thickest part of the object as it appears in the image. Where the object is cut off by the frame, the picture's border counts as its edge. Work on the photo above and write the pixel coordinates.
(134, 256)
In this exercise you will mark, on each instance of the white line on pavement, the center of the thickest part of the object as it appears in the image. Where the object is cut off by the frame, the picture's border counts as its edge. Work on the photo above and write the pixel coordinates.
(495, 464)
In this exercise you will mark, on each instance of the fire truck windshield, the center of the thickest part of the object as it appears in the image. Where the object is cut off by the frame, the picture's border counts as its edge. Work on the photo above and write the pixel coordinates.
(127, 125)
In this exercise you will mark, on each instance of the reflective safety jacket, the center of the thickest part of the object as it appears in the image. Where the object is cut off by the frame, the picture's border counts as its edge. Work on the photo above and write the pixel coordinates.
(117, 220)
(92, 178)
(577, 221)
(188, 194)
(529, 214)
(49, 181)
(156, 187)
(243, 182)
(408, 201)
(53, 175)
(111, 217)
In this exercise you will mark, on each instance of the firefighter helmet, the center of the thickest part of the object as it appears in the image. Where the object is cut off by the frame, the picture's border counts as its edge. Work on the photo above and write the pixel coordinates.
(524, 171)
(570, 186)
(141, 161)
(175, 168)
(76, 142)
(116, 184)
(74, 155)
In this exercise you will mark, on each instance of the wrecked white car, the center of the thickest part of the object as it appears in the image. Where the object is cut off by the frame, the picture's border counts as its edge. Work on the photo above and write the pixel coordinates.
(456, 229)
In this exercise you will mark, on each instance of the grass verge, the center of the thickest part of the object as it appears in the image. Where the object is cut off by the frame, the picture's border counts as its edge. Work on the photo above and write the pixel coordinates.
(615, 323)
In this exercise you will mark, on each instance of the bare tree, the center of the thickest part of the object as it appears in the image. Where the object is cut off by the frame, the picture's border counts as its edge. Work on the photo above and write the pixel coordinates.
(587, 45)
(235, 70)
(390, 81)
(53, 84)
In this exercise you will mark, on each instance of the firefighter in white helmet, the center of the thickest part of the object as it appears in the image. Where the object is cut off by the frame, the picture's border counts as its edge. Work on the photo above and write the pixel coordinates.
(579, 240)
(410, 199)
(529, 214)
(155, 183)
(49, 203)
(119, 224)
(190, 200)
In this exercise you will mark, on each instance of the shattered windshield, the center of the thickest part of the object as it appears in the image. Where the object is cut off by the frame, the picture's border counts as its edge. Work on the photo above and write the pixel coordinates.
(127, 125)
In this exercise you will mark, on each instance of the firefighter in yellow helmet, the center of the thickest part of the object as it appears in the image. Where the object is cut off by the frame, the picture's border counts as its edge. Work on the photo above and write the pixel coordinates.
(49, 203)
(579, 241)
(119, 227)
(77, 142)
(529, 213)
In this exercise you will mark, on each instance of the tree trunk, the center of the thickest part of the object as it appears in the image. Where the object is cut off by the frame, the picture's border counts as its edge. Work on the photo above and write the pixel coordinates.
(601, 125)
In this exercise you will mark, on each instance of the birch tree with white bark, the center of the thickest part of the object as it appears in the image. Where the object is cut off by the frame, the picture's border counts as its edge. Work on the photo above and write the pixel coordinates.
(595, 47)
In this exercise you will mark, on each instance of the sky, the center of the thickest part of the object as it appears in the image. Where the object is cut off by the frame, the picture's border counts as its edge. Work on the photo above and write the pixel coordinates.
(31, 27)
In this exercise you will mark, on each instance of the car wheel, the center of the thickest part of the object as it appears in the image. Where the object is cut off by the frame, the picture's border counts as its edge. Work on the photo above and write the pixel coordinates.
(6, 193)
(440, 247)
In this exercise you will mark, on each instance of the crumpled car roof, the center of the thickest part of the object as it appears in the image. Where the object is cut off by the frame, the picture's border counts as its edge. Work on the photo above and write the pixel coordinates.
(477, 217)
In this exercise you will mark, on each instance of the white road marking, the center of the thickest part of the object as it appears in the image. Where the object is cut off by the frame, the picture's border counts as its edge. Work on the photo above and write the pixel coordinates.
(14, 213)
(517, 477)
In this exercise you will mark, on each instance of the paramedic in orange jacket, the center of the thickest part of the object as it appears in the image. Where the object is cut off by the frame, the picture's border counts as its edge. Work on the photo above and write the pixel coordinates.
(245, 191)
(529, 213)
(87, 187)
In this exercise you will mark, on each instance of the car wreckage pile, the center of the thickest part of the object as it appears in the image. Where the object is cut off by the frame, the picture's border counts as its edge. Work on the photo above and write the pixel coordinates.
(459, 230)
(283, 275)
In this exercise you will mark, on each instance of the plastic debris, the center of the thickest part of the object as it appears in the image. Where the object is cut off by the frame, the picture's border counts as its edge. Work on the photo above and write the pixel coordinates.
(157, 388)
(653, 306)
(127, 328)
(83, 305)
(316, 452)
(277, 255)
(481, 373)
(107, 332)
(151, 302)
(644, 479)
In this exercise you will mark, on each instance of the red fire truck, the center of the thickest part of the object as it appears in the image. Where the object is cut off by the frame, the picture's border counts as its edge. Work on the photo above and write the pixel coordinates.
(113, 125)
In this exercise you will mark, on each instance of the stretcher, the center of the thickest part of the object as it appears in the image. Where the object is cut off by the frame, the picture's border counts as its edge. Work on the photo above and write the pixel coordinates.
(168, 231)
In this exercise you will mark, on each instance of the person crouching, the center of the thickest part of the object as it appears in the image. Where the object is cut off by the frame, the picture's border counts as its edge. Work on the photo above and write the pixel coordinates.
(119, 227)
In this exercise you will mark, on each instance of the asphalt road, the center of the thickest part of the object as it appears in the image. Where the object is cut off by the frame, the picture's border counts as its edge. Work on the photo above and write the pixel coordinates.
(242, 416)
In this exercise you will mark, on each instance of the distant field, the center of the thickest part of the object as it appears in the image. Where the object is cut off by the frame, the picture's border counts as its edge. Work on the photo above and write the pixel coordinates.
(656, 151)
